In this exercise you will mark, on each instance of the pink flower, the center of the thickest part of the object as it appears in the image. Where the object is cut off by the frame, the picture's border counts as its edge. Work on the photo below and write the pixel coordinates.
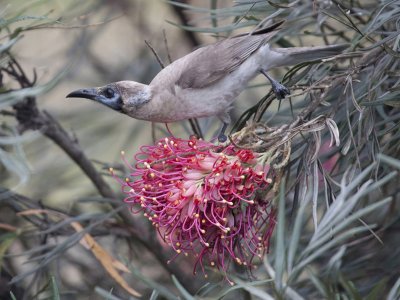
(204, 199)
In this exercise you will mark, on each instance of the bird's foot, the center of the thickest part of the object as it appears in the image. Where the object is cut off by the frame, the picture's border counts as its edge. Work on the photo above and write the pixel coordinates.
(221, 136)
(278, 88)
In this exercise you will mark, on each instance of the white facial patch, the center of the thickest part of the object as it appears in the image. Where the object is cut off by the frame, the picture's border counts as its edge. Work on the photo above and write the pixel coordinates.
(140, 96)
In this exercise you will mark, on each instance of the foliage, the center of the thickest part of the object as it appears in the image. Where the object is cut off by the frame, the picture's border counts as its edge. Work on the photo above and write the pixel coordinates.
(334, 145)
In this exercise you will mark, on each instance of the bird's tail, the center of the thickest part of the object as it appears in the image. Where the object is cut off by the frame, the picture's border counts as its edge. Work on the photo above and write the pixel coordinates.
(296, 55)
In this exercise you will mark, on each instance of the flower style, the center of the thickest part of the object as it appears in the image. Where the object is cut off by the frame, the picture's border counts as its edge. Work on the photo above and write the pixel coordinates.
(204, 199)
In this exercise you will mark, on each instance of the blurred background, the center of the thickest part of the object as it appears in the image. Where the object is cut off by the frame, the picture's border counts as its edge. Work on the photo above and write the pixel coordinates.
(62, 46)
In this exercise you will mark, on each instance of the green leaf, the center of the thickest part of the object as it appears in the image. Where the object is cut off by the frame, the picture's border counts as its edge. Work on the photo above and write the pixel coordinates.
(378, 290)
(54, 289)
(280, 253)
(13, 97)
(389, 160)
(394, 293)
(7, 46)
(12, 296)
(296, 234)
(186, 295)
(6, 242)
(18, 139)
(106, 294)
(350, 289)
(227, 28)
(154, 295)
(15, 166)
(260, 293)
(152, 284)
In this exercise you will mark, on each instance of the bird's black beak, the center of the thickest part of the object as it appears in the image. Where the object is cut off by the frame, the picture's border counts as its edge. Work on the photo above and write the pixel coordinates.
(89, 93)
(107, 95)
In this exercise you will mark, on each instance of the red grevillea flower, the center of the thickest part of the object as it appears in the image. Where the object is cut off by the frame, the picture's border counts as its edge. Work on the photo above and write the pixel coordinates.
(204, 199)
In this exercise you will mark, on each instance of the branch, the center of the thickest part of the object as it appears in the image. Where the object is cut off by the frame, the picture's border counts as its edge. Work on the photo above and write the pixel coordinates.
(53, 130)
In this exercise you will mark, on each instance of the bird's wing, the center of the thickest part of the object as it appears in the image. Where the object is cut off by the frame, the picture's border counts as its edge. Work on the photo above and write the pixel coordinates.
(211, 63)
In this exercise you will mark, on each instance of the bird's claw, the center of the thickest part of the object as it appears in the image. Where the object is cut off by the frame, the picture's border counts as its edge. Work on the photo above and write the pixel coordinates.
(222, 138)
(280, 90)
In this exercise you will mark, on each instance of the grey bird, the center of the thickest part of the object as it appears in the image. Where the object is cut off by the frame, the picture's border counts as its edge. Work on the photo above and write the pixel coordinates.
(206, 81)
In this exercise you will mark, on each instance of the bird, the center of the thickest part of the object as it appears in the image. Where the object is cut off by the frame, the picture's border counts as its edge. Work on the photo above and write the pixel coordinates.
(207, 81)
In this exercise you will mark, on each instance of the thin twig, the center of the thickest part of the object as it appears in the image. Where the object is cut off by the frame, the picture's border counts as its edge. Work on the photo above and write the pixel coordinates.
(166, 47)
(155, 54)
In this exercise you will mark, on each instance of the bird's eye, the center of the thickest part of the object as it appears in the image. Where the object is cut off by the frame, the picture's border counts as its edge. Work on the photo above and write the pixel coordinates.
(109, 93)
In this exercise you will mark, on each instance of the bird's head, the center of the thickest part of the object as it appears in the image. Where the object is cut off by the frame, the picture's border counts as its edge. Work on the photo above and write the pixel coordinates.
(122, 96)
